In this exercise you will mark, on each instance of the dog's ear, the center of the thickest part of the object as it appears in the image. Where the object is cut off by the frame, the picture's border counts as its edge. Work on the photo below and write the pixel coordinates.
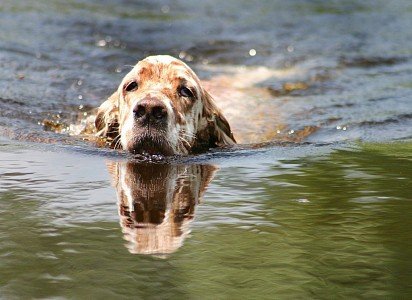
(106, 121)
(218, 128)
(221, 129)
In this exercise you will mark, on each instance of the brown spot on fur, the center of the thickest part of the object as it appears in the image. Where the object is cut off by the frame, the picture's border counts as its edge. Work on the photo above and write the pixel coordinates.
(218, 123)
(163, 80)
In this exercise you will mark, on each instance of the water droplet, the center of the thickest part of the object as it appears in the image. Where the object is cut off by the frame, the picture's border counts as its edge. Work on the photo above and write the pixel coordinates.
(80, 97)
(344, 128)
(79, 82)
(81, 106)
(85, 114)
(165, 9)
(278, 131)
(252, 52)
(182, 54)
(101, 43)
(291, 131)
(290, 48)
(338, 127)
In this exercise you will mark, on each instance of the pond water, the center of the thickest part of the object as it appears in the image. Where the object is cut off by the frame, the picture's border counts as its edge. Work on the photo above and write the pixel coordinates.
(325, 217)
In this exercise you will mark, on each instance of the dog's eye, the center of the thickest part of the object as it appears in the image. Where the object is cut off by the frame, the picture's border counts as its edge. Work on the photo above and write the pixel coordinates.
(131, 86)
(185, 92)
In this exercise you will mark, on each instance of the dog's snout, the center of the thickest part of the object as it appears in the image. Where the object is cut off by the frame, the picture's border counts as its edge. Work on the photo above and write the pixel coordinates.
(151, 109)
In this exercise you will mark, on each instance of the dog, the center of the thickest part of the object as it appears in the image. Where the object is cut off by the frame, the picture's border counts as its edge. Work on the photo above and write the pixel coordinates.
(161, 107)
(157, 202)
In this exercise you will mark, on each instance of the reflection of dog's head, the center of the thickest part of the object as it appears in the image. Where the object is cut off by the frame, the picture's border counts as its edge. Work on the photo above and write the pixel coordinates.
(157, 203)
(161, 108)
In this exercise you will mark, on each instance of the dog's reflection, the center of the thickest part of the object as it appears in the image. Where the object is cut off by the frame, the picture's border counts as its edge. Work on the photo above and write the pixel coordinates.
(157, 202)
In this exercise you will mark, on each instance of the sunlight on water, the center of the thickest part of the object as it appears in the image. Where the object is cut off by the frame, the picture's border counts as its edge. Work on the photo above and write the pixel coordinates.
(313, 204)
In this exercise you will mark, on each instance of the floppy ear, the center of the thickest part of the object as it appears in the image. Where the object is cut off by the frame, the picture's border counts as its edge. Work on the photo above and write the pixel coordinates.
(218, 128)
(106, 121)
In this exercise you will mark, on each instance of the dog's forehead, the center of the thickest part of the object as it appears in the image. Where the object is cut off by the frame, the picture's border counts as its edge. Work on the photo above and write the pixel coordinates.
(162, 59)
(164, 67)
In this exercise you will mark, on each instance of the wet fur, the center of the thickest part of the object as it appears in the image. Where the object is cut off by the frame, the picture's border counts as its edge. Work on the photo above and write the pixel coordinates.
(211, 129)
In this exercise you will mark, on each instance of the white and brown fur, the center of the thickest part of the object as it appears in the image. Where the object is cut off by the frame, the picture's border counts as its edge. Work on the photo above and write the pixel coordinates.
(189, 122)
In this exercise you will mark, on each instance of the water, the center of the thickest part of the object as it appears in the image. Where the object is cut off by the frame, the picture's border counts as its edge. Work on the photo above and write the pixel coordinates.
(327, 218)
(296, 223)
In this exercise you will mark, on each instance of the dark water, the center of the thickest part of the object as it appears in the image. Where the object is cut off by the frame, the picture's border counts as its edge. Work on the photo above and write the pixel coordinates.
(329, 218)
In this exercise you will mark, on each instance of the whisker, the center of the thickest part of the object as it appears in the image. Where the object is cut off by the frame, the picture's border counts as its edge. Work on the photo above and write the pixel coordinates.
(193, 136)
(187, 135)
(183, 140)
(112, 131)
(118, 140)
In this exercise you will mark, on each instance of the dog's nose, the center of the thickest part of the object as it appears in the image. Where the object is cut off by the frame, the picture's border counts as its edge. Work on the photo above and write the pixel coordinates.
(151, 109)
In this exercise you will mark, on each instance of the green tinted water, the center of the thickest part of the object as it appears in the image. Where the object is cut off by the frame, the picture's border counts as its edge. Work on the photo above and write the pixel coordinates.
(295, 222)
(298, 222)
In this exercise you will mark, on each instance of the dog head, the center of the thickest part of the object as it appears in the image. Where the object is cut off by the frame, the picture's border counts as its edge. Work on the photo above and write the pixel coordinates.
(161, 107)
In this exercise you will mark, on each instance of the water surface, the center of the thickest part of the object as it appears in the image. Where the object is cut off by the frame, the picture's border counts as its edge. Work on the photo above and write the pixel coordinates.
(324, 217)
(300, 222)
